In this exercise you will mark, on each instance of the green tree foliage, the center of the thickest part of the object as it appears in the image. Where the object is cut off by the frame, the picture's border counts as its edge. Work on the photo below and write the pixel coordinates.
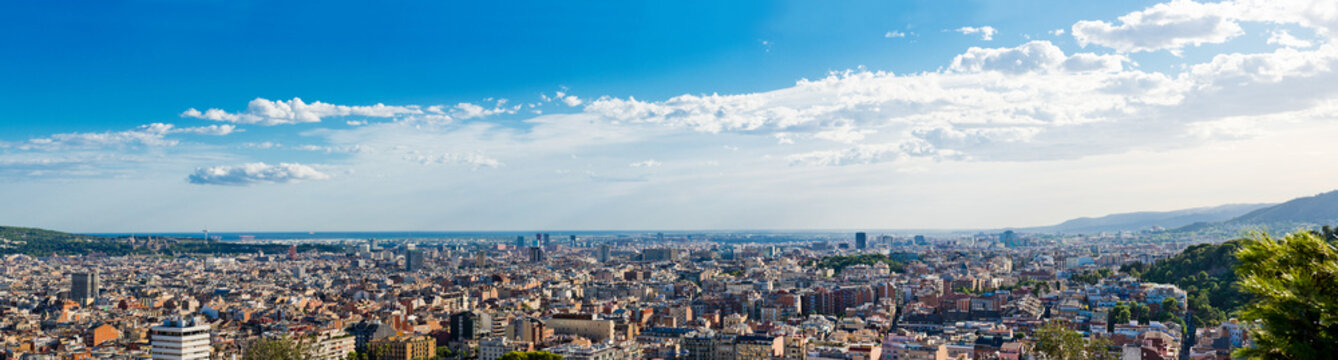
(840, 262)
(530, 355)
(277, 349)
(1120, 314)
(1090, 277)
(1294, 281)
(1053, 341)
(1206, 273)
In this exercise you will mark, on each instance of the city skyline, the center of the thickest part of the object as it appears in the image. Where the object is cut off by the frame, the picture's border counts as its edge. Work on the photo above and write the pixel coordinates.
(140, 117)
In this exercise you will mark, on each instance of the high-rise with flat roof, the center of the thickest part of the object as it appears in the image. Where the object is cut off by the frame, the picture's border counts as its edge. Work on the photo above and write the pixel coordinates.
(861, 241)
(84, 286)
(181, 339)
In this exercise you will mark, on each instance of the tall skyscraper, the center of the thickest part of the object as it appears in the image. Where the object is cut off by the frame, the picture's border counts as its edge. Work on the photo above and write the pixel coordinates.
(861, 241)
(292, 252)
(520, 241)
(413, 260)
(536, 254)
(84, 286)
(604, 250)
(181, 339)
(573, 241)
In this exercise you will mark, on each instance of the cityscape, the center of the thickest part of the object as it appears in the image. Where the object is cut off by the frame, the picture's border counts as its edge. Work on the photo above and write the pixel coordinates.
(685, 180)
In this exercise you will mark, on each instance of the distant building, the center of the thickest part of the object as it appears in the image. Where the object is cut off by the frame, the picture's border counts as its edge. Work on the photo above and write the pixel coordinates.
(583, 325)
(84, 287)
(469, 325)
(403, 347)
(366, 332)
(292, 252)
(536, 254)
(413, 260)
(520, 241)
(604, 250)
(181, 339)
(861, 241)
(662, 254)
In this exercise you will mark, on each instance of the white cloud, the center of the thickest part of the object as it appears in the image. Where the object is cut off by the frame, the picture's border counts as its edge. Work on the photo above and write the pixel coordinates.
(1284, 38)
(474, 160)
(986, 32)
(215, 130)
(1166, 26)
(1034, 56)
(894, 34)
(262, 111)
(153, 135)
(645, 164)
(255, 173)
(1057, 32)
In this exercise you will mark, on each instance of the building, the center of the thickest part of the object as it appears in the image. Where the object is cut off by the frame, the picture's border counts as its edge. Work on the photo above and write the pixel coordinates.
(366, 332)
(493, 347)
(527, 329)
(469, 325)
(333, 344)
(292, 252)
(84, 287)
(520, 241)
(662, 254)
(796, 348)
(583, 325)
(180, 339)
(536, 254)
(861, 241)
(403, 347)
(101, 334)
(604, 252)
(413, 260)
(757, 347)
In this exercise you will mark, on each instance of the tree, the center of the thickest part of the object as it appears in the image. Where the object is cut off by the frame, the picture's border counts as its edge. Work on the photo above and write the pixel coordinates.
(1118, 315)
(1056, 342)
(1140, 312)
(1294, 281)
(277, 349)
(530, 355)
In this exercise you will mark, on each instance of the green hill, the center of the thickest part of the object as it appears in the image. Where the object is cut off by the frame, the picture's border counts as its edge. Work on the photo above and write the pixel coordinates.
(1207, 273)
(40, 242)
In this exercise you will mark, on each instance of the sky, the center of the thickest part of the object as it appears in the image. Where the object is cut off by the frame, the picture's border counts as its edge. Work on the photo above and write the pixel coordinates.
(139, 116)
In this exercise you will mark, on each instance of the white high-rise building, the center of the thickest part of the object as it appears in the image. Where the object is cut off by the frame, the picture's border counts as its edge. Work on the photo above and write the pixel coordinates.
(181, 339)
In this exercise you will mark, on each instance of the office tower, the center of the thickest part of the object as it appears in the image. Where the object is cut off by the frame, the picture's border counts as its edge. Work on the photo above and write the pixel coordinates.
(520, 241)
(83, 287)
(604, 250)
(372, 242)
(544, 243)
(469, 325)
(573, 241)
(861, 241)
(536, 254)
(659, 237)
(181, 339)
(480, 259)
(413, 260)
(292, 252)
(920, 240)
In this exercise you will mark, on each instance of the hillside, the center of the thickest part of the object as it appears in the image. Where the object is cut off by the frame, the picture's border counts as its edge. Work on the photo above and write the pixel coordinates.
(41, 242)
(1147, 219)
(1318, 209)
(1207, 273)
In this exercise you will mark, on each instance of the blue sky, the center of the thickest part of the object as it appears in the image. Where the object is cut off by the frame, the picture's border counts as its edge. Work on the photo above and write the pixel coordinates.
(609, 111)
